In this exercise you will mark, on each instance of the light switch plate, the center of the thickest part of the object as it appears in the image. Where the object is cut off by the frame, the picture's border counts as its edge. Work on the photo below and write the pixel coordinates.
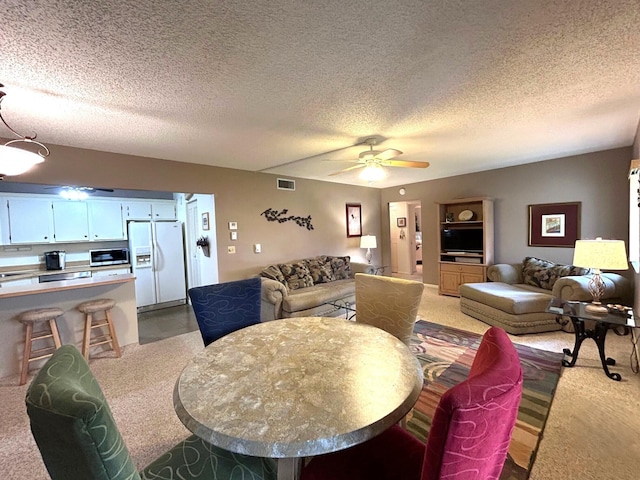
(231, 249)
(234, 235)
(257, 248)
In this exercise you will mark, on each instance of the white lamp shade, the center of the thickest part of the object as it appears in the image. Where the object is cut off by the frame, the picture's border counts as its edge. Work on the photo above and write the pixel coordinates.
(14, 161)
(601, 254)
(368, 241)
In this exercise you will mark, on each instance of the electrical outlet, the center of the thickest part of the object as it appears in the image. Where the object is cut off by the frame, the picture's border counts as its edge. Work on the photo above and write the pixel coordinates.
(231, 249)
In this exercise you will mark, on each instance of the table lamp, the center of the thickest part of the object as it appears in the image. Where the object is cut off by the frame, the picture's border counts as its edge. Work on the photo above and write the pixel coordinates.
(368, 242)
(599, 254)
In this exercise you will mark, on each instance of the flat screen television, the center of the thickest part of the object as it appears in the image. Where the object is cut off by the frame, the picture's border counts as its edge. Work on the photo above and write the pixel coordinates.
(463, 240)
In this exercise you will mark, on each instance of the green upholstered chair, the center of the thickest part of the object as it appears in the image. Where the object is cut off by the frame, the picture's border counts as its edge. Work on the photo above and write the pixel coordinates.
(78, 438)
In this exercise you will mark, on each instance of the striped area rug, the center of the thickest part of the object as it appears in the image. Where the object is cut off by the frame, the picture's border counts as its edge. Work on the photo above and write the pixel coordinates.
(446, 355)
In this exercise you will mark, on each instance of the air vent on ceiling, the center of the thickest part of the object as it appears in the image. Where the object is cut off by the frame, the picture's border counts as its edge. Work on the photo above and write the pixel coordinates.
(285, 184)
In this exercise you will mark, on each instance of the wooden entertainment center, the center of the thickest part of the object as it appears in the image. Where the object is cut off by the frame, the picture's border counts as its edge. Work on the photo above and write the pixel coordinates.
(465, 242)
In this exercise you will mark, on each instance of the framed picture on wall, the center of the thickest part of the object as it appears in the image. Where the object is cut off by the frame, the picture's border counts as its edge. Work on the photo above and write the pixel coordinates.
(354, 220)
(554, 224)
(401, 221)
(205, 221)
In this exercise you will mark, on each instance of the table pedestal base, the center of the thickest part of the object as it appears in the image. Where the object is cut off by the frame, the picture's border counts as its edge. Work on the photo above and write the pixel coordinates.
(289, 468)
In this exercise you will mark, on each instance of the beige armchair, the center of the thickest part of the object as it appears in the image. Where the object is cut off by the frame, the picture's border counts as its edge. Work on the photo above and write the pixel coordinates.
(388, 303)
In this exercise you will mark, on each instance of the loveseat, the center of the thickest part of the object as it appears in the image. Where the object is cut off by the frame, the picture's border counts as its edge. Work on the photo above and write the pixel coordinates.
(517, 295)
(303, 288)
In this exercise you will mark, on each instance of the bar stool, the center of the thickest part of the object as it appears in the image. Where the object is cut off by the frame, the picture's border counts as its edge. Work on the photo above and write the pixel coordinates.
(89, 309)
(29, 319)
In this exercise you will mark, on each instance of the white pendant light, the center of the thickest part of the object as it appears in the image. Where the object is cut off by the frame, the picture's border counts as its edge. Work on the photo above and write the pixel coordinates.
(15, 160)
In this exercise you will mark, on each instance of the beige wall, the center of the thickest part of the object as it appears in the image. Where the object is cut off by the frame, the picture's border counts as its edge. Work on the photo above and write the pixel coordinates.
(240, 196)
(598, 180)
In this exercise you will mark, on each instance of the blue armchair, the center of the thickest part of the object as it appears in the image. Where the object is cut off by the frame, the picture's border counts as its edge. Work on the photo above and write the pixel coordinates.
(226, 307)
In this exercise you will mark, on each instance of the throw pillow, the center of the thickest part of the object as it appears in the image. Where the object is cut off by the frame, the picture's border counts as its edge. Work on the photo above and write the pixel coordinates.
(320, 271)
(536, 271)
(296, 275)
(274, 273)
(544, 274)
(341, 267)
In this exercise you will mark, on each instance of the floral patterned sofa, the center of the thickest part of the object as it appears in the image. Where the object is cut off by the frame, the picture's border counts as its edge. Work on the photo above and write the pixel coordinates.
(302, 288)
(517, 295)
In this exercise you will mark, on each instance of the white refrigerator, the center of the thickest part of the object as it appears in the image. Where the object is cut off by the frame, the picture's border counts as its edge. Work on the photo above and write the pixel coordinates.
(157, 261)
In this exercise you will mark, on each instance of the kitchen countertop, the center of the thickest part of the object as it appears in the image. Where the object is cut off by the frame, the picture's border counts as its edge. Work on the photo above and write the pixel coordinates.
(36, 288)
(33, 271)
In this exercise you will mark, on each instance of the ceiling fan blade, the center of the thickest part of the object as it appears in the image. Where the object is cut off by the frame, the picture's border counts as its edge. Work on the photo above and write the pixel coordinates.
(388, 153)
(347, 169)
(403, 163)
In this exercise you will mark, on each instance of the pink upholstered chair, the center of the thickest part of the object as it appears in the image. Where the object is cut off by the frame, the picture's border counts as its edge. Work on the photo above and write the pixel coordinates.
(469, 436)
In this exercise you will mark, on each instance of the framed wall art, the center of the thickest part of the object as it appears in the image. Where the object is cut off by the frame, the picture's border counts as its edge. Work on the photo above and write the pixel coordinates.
(205, 221)
(354, 220)
(401, 221)
(554, 224)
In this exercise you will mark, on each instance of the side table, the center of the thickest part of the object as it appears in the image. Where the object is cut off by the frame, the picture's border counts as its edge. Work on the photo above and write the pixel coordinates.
(576, 311)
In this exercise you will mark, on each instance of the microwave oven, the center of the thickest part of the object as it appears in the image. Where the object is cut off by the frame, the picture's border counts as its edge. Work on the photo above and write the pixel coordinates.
(108, 256)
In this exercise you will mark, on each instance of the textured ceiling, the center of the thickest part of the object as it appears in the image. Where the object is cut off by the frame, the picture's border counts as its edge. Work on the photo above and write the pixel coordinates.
(255, 85)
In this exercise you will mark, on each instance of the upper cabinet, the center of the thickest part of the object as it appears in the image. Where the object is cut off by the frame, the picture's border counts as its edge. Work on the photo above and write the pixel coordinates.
(149, 210)
(37, 219)
(70, 221)
(28, 220)
(105, 220)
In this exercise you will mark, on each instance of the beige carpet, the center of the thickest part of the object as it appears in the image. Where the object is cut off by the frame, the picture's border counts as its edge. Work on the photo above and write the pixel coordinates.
(593, 430)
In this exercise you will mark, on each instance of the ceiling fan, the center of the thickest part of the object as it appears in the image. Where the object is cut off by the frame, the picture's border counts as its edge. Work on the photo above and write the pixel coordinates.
(373, 160)
(79, 193)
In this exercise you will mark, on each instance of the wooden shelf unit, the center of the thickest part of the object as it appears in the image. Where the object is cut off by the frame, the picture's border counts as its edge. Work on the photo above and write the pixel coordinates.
(456, 268)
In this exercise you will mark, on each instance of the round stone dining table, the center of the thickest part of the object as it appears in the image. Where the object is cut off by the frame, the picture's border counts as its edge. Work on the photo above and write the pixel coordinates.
(297, 387)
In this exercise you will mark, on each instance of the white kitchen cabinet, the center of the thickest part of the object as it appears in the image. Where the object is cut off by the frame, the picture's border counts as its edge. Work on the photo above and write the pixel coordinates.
(30, 220)
(163, 210)
(17, 283)
(149, 210)
(110, 271)
(140, 210)
(105, 220)
(70, 221)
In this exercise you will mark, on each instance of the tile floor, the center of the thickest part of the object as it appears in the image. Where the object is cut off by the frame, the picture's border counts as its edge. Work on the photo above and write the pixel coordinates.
(165, 323)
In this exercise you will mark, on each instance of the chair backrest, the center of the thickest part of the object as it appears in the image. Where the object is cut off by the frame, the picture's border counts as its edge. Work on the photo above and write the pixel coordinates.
(226, 307)
(473, 422)
(388, 303)
(72, 423)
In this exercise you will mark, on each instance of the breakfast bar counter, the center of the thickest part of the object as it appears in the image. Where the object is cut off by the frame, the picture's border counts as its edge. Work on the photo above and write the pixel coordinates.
(65, 294)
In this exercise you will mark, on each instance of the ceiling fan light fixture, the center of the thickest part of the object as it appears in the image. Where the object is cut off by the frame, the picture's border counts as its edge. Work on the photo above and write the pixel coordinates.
(14, 160)
(373, 172)
(73, 193)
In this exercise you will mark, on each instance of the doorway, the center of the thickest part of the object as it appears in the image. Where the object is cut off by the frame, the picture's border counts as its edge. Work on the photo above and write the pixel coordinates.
(405, 235)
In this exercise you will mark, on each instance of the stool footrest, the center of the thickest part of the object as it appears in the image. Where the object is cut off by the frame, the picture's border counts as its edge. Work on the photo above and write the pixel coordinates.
(103, 324)
(40, 357)
(100, 341)
(41, 335)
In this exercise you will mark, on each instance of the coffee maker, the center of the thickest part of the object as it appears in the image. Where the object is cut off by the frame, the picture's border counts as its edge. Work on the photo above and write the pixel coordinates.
(54, 260)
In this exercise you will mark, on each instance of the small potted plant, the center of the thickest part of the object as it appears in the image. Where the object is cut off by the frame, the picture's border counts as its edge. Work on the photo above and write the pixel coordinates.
(203, 242)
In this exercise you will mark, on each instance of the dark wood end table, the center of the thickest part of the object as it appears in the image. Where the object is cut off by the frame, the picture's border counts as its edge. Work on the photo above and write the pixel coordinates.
(576, 311)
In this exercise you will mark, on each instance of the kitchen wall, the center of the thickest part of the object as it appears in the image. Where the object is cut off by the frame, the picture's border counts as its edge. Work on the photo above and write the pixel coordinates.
(597, 180)
(240, 197)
